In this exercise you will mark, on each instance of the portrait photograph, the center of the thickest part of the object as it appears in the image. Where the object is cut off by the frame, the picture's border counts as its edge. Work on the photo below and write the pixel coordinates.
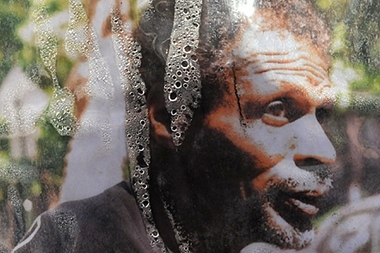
(186, 126)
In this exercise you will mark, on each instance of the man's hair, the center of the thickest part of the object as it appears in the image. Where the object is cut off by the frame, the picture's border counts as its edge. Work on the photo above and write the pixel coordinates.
(301, 19)
(220, 23)
(154, 30)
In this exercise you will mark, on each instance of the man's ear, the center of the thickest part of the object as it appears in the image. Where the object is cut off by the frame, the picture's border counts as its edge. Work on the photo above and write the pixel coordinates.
(159, 130)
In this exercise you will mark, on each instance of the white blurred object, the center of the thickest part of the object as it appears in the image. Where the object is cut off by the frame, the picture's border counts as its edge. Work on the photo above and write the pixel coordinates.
(353, 228)
(28, 205)
(342, 76)
(262, 247)
(21, 104)
(98, 150)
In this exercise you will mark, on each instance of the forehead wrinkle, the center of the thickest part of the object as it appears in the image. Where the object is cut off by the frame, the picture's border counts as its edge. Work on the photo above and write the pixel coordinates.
(306, 78)
(264, 80)
(283, 57)
(256, 68)
(297, 61)
(271, 62)
(302, 59)
(292, 71)
(256, 41)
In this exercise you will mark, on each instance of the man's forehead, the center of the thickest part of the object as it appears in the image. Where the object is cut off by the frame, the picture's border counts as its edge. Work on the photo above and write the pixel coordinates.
(269, 63)
(254, 40)
(261, 36)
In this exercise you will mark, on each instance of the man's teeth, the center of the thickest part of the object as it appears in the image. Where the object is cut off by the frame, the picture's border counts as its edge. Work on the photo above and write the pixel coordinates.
(306, 208)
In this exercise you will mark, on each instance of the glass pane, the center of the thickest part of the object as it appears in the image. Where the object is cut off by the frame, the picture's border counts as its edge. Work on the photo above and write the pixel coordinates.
(189, 126)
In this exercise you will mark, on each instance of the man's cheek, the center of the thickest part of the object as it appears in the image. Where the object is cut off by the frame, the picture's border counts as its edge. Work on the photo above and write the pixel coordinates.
(257, 140)
(274, 143)
(273, 176)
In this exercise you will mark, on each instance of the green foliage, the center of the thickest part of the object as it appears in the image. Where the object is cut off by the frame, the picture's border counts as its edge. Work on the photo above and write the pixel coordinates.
(64, 66)
(365, 105)
(135, 13)
(31, 176)
(4, 129)
(355, 42)
(52, 149)
(4, 144)
(4, 141)
(12, 14)
(36, 188)
(363, 20)
(368, 83)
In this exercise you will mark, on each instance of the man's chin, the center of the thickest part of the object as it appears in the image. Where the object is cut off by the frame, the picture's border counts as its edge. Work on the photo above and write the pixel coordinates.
(283, 234)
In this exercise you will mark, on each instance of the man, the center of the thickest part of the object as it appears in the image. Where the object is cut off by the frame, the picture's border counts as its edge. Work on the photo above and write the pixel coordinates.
(251, 165)
(253, 160)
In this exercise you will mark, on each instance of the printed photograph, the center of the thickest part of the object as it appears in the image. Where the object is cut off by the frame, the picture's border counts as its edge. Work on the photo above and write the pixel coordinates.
(186, 126)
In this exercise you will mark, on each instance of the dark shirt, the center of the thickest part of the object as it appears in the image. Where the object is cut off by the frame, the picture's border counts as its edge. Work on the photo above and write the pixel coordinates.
(109, 222)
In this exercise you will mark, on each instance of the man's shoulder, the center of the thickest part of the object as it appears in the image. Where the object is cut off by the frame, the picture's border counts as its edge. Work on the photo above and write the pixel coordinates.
(119, 198)
(108, 222)
(114, 210)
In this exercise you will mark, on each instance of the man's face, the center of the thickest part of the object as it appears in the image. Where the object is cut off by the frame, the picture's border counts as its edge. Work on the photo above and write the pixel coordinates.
(269, 112)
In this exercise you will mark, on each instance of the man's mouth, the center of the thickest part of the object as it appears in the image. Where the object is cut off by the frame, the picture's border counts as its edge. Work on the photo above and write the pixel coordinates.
(292, 193)
(296, 209)
(306, 208)
(288, 197)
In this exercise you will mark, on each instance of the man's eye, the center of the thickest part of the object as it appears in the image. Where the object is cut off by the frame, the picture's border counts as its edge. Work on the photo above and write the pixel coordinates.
(275, 114)
(276, 108)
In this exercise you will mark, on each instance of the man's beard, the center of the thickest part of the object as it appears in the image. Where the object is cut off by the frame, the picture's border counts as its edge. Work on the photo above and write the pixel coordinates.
(287, 206)
(238, 222)
(278, 224)
(215, 216)
(260, 222)
(282, 233)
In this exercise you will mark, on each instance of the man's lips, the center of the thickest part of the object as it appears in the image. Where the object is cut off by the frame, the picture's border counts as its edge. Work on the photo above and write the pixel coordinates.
(296, 208)
(301, 201)
(306, 208)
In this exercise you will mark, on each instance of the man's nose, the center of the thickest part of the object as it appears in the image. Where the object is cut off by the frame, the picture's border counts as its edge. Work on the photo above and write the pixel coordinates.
(311, 141)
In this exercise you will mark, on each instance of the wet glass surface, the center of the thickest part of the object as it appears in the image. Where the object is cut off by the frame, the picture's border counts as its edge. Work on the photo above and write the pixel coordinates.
(245, 126)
